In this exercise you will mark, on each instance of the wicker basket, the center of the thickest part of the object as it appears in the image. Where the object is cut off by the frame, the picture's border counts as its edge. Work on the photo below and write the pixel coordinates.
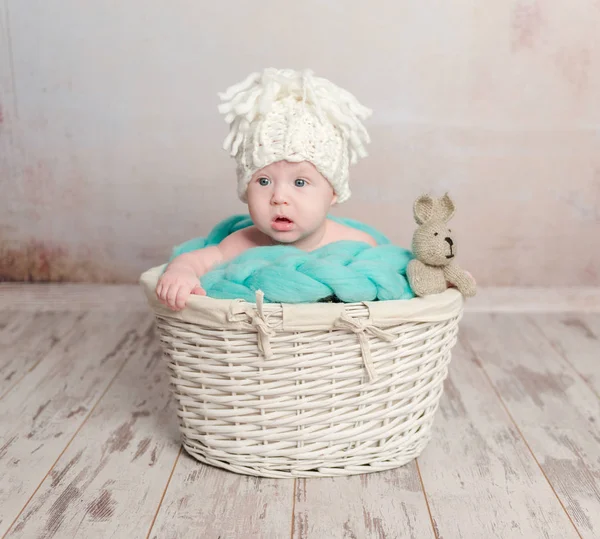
(279, 390)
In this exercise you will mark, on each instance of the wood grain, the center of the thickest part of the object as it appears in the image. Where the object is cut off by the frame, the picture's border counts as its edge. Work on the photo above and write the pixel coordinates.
(110, 480)
(40, 418)
(576, 337)
(26, 339)
(211, 503)
(480, 477)
(12, 327)
(555, 410)
(382, 505)
(592, 321)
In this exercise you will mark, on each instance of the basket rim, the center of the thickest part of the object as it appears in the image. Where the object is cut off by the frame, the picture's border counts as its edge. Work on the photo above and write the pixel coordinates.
(217, 313)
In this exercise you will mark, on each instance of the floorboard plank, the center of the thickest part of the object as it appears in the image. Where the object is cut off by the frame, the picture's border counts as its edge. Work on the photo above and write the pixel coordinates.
(479, 475)
(25, 339)
(381, 505)
(555, 410)
(592, 320)
(40, 418)
(110, 480)
(203, 501)
(576, 337)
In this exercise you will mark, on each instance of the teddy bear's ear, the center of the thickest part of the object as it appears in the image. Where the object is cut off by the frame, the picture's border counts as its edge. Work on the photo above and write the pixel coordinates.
(423, 209)
(446, 207)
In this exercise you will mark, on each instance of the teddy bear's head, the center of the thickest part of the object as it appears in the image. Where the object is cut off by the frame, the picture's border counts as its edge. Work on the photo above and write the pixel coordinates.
(433, 243)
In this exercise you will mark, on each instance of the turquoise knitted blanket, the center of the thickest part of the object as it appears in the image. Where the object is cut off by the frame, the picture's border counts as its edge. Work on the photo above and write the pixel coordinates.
(346, 271)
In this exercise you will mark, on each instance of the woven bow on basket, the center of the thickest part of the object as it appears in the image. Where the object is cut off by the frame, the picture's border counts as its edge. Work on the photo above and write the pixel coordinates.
(361, 327)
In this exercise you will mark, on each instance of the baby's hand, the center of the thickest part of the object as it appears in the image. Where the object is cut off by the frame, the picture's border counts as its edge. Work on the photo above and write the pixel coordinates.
(175, 286)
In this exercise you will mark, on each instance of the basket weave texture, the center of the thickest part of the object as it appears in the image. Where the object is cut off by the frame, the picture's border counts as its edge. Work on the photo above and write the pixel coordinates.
(280, 390)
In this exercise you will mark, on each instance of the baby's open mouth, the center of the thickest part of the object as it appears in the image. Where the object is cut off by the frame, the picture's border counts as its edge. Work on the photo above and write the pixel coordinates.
(282, 224)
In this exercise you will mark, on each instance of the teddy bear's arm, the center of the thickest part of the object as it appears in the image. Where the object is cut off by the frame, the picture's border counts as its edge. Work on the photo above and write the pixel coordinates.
(461, 279)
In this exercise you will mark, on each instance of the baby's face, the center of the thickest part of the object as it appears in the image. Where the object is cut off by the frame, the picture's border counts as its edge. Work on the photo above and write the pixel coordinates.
(289, 201)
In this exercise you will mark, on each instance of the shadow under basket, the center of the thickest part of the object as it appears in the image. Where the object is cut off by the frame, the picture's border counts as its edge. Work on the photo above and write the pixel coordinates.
(306, 390)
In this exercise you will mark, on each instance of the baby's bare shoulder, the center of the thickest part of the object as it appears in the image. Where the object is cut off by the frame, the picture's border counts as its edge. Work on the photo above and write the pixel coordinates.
(340, 232)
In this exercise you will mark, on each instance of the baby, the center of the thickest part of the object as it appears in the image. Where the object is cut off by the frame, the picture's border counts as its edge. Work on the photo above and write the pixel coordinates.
(293, 136)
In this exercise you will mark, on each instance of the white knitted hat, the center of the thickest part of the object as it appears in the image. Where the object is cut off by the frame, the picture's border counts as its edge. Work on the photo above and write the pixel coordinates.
(294, 116)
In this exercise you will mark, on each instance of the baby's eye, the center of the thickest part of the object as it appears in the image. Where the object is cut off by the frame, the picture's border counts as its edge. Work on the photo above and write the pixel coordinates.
(264, 181)
(300, 182)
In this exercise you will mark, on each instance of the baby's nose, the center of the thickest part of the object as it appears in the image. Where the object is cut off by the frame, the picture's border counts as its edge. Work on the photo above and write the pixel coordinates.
(278, 197)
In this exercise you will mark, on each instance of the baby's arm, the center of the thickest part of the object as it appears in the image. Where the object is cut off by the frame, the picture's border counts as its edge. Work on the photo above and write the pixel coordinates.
(182, 276)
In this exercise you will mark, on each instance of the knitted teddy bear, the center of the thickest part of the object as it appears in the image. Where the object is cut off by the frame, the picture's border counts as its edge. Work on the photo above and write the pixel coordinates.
(434, 268)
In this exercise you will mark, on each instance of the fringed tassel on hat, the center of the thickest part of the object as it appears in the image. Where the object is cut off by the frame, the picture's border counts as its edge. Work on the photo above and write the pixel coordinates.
(254, 96)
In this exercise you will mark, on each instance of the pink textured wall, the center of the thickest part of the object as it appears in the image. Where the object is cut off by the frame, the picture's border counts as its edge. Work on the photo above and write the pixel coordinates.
(110, 141)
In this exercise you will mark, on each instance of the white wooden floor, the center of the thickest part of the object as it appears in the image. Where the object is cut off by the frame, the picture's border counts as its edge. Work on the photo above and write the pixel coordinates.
(89, 442)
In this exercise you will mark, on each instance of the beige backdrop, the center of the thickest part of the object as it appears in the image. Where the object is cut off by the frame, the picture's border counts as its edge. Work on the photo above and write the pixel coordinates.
(110, 141)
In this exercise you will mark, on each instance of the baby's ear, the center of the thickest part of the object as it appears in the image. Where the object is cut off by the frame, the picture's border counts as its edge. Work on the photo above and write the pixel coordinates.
(423, 209)
(446, 208)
